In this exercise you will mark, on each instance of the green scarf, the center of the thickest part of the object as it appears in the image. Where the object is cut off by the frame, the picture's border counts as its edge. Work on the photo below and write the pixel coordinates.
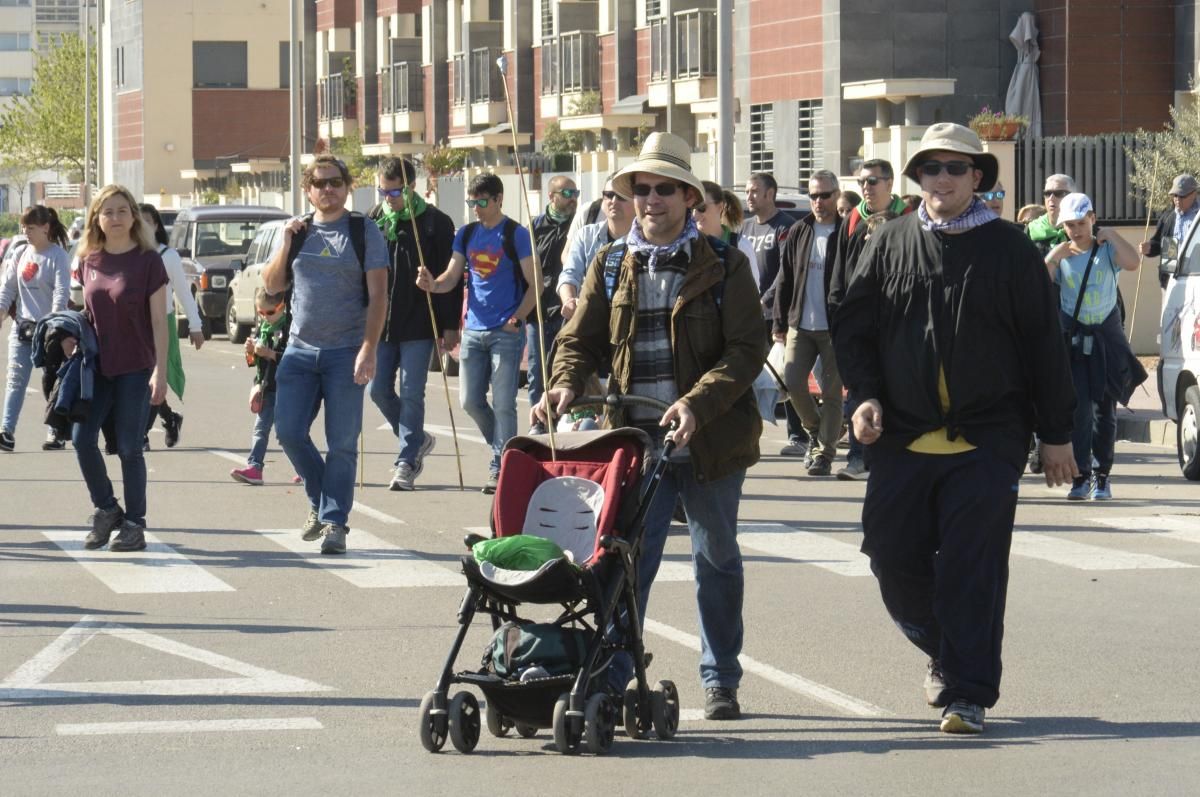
(1042, 230)
(555, 216)
(389, 220)
(898, 207)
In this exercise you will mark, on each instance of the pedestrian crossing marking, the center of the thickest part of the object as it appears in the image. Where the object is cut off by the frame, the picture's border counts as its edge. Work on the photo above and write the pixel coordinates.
(449, 432)
(1084, 556)
(158, 569)
(1171, 527)
(28, 682)
(805, 547)
(369, 562)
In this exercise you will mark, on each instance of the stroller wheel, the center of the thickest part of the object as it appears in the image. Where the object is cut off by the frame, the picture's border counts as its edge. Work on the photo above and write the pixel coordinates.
(433, 726)
(665, 709)
(526, 731)
(637, 718)
(567, 734)
(599, 723)
(464, 722)
(497, 724)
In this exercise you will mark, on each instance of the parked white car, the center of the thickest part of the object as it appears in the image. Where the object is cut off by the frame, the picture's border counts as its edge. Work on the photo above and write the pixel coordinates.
(1179, 347)
(240, 312)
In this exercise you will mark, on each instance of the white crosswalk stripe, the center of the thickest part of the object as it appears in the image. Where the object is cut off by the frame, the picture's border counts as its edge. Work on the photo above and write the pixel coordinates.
(1171, 527)
(1084, 556)
(157, 569)
(369, 562)
(805, 547)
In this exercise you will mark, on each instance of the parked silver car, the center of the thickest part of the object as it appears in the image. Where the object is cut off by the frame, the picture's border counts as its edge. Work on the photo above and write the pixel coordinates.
(240, 312)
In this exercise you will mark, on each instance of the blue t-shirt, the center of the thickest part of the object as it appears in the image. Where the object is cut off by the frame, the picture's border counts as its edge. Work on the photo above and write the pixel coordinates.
(329, 310)
(493, 289)
(1100, 297)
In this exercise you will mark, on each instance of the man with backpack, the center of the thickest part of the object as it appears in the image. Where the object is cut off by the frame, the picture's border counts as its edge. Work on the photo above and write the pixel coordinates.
(677, 315)
(335, 264)
(495, 253)
(550, 235)
(416, 232)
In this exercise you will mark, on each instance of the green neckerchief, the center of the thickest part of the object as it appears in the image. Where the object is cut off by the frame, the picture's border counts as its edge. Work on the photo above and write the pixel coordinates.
(1042, 230)
(726, 234)
(898, 207)
(266, 329)
(389, 220)
(555, 216)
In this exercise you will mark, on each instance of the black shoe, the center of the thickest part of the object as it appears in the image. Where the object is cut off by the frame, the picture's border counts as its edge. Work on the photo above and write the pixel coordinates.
(103, 523)
(820, 466)
(171, 425)
(53, 442)
(7, 441)
(935, 685)
(721, 703)
(130, 537)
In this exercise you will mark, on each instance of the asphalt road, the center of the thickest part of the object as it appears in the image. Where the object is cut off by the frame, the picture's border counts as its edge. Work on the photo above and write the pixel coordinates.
(230, 658)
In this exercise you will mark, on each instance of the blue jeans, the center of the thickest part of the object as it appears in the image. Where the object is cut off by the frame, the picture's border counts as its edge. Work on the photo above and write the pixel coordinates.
(712, 510)
(20, 368)
(262, 431)
(537, 385)
(127, 399)
(491, 357)
(1095, 428)
(406, 411)
(306, 378)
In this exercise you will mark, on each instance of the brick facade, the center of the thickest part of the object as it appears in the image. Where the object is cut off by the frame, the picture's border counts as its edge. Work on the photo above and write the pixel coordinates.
(130, 131)
(785, 50)
(238, 124)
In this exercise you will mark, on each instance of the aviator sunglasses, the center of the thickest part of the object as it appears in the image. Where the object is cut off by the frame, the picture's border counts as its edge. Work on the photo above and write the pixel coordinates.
(478, 203)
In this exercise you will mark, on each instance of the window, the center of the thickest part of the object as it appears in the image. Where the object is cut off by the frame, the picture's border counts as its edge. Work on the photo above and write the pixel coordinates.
(485, 76)
(219, 65)
(653, 8)
(14, 3)
(762, 138)
(660, 44)
(547, 19)
(460, 79)
(810, 129)
(14, 42)
(695, 44)
(551, 78)
(52, 11)
(119, 67)
(11, 86)
(580, 62)
(285, 65)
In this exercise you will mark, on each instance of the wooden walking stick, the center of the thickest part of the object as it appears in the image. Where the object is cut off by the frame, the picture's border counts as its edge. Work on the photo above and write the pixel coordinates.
(1137, 291)
(433, 323)
(502, 63)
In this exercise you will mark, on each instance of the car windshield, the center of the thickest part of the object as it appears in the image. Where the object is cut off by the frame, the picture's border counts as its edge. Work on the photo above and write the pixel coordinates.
(224, 238)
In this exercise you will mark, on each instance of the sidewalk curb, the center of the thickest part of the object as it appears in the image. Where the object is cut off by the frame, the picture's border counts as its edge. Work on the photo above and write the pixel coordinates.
(1137, 428)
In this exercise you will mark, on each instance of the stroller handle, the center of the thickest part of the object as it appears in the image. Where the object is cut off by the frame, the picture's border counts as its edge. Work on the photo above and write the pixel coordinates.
(616, 401)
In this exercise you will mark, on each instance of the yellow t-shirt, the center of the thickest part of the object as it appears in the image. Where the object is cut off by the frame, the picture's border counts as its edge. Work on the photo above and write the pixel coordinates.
(938, 441)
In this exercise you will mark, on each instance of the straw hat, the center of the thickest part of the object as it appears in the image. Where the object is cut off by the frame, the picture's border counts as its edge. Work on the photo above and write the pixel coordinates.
(663, 154)
(949, 137)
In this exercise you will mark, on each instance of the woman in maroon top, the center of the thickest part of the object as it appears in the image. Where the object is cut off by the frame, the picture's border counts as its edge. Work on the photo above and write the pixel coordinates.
(124, 291)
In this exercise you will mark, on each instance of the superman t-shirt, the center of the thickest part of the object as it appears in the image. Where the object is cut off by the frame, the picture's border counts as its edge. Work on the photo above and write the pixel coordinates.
(494, 290)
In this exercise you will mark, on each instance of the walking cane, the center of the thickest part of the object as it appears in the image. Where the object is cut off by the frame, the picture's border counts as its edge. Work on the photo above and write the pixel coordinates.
(1149, 210)
(502, 63)
(433, 323)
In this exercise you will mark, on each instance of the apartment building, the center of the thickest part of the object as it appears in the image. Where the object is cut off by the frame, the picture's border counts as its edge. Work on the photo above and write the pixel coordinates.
(195, 97)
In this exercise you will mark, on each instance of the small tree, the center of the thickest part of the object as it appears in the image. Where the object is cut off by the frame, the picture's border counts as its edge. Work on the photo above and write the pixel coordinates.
(1171, 151)
(349, 149)
(556, 141)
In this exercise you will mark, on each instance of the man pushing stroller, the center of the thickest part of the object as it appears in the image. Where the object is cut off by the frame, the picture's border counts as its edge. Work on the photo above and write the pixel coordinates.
(677, 314)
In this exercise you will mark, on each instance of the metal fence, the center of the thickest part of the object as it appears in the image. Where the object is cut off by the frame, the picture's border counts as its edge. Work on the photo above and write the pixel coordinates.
(1099, 165)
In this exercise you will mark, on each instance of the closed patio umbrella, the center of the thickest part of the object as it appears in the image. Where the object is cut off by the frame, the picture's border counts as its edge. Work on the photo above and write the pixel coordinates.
(1024, 98)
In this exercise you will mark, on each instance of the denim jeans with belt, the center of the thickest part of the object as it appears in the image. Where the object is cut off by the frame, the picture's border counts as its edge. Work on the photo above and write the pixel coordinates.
(20, 369)
(491, 358)
(404, 411)
(262, 431)
(712, 509)
(306, 379)
(537, 385)
(127, 399)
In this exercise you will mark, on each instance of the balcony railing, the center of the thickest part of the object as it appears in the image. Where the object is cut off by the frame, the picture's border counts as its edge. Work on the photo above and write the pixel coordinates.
(486, 81)
(403, 88)
(570, 63)
(337, 98)
(695, 44)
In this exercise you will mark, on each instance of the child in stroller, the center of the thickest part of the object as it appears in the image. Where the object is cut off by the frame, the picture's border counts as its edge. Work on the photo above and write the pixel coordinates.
(589, 497)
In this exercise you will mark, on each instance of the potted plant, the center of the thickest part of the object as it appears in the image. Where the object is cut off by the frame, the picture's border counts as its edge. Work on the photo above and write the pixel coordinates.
(997, 125)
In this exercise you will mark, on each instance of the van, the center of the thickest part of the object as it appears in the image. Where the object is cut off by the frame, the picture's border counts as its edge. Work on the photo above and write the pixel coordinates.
(208, 239)
(1179, 348)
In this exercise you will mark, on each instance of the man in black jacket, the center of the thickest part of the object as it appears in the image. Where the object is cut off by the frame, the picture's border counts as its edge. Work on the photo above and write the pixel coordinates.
(1176, 222)
(949, 332)
(407, 344)
(802, 320)
(550, 236)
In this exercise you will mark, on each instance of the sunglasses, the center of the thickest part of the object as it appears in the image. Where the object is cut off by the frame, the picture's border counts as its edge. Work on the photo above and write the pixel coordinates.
(272, 311)
(988, 196)
(819, 195)
(872, 180)
(321, 183)
(701, 208)
(953, 168)
(569, 193)
(662, 189)
(613, 196)
(394, 193)
(1057, 194)
(478, 203)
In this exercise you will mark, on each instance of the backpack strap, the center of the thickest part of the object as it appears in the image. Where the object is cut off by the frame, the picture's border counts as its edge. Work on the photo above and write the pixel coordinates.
(358, 239)
(509, 236)
(593, 212)
(722, 251)
(612, 267)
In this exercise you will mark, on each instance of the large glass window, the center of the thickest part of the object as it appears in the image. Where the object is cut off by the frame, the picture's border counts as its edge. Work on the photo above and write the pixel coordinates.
(695, 44)
(49, 11)
(660, 49)
(219, 65)
(580, 62)
(11, 86)
(14, 42)
(551, 79)
(460, 79)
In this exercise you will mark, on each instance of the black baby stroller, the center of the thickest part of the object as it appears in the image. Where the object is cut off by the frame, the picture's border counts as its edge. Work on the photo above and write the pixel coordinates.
(592, 502)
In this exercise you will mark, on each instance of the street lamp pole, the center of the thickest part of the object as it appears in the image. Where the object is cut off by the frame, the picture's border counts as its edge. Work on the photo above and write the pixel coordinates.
(725, 92)
(87, 100)
(294, 56)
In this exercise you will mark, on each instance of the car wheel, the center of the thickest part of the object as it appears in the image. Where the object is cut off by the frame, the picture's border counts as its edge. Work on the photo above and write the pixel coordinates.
(182, 327)
(237, 332)
(1187, 434)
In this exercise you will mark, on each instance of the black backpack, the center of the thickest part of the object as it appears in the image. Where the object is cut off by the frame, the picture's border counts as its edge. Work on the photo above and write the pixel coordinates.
(358, 239)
